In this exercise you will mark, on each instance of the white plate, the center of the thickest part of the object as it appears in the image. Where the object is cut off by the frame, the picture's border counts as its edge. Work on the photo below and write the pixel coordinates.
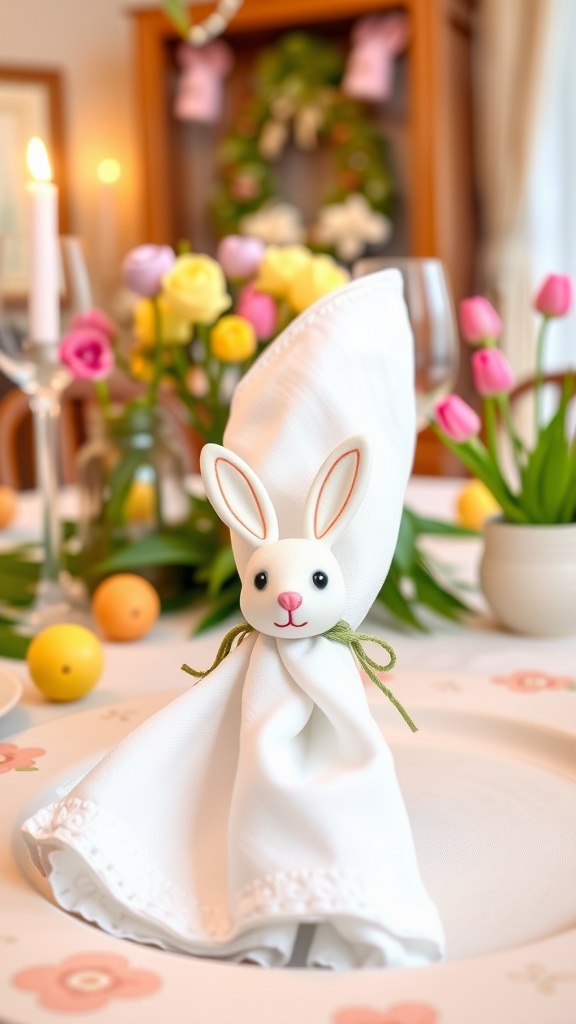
(490, 785)
(10, 691)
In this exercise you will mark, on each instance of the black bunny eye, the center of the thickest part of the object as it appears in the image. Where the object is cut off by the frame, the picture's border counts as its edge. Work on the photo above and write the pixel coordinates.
(320, 580)
(260, 580)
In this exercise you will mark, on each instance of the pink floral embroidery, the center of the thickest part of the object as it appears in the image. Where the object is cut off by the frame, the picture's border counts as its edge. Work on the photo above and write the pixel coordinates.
(18, 759)
(401, 1013)
(534, 681)
(86, 982)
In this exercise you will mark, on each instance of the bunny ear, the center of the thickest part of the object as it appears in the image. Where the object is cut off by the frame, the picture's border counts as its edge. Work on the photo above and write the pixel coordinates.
(238, 496)
(338, 490)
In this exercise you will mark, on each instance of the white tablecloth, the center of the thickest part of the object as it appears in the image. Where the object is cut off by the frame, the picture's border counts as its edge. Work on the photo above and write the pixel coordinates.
(153, 663)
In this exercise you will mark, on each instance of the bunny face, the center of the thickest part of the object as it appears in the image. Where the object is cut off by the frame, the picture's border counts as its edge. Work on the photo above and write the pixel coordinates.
(292, 587)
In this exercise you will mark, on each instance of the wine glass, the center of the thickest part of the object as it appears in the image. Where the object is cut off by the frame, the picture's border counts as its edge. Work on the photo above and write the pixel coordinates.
(433, 320)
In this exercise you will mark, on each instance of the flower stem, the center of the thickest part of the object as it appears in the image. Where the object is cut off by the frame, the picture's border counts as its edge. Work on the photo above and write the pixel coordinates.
(517, 446)
(540, 373)
(103, 395)
(158, 354)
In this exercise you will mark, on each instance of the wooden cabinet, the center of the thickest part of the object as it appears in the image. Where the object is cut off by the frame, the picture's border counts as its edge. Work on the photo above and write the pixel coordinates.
(428, 122)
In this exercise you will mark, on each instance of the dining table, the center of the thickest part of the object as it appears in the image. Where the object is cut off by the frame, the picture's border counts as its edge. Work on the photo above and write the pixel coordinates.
(490, 785)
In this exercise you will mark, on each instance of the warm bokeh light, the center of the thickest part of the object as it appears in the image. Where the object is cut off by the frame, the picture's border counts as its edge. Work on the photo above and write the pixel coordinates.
(37, 160)
(108, 171)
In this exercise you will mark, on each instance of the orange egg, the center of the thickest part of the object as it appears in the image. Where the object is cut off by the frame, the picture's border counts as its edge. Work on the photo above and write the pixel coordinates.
(125, 606)
(7, 505)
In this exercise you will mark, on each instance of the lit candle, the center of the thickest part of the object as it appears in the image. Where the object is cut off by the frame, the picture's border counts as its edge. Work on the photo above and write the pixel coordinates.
(44, 295)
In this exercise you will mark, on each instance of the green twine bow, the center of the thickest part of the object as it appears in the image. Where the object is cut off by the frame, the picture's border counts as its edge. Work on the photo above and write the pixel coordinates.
(342, 633)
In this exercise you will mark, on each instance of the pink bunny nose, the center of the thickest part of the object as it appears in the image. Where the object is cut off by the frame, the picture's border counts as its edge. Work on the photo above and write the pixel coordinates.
(289, 600)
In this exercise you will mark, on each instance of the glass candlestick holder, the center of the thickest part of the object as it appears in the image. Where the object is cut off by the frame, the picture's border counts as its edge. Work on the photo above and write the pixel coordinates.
(37, 370)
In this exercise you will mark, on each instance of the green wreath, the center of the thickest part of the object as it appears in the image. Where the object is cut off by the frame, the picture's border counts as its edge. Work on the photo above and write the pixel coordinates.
(297, 95)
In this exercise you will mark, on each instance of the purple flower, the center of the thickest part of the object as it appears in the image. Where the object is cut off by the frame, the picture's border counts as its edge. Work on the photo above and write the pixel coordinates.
(97, 319)
(456, 419)
(479, 320)
(260, 309)
(240, 256)
(492, 372)
(144, 267)
(554, 296)
(87, 353)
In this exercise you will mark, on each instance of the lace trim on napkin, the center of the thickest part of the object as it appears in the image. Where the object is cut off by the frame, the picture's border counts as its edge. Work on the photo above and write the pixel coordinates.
(107, 857)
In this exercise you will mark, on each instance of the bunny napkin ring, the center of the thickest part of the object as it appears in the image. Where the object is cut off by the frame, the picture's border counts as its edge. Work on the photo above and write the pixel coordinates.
(294, 587)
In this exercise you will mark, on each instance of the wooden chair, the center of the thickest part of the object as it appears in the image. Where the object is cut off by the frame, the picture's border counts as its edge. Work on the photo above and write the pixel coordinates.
(78, 422)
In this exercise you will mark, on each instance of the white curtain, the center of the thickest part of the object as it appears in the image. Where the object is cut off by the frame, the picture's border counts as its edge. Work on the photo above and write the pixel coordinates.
(513, 43)
(551, 206)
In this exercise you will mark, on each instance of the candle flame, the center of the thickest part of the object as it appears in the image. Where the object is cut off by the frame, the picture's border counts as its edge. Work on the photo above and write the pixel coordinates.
(108, 171)
(37, 160)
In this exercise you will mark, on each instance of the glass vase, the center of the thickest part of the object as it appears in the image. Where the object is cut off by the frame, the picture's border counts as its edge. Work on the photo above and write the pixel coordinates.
(134, 506)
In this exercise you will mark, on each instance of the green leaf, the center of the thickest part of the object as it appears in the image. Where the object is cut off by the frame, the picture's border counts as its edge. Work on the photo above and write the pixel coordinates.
(223, 568)
(177, 13)
(222, 608)
(548, 465)
(405, 545)
(158, 549)
(433, 596)
(392, 598)
(16, 590)
(439, 527)
(13, 644)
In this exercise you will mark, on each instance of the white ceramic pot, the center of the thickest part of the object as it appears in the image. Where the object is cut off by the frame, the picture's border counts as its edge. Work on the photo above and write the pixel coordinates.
(528, 575)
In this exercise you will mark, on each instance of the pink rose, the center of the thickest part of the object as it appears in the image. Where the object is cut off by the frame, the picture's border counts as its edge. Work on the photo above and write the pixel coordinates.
(95, 318)
(87, 353)
(554, 296)
(240, 256)
(479, 321)
(260, 309)
(456, 419)
(491, 371)
(144, 267)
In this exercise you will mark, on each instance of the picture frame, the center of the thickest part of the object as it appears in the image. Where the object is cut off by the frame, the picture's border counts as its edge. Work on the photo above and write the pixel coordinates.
(30, 104)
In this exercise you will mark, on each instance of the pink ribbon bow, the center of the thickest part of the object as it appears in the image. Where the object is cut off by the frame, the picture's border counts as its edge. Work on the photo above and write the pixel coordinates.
(376, 41)
(200, 93)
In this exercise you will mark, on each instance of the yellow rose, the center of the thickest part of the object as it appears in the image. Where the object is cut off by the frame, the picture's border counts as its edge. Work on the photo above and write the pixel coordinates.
(233, 339)
(318, 277)
(196, 287)
(278, 267)
(174, 330)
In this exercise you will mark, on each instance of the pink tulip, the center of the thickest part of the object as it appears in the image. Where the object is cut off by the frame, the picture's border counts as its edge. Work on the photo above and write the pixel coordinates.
(554, 297)
(260, 309)
(240, 256)
(88, 353)
(144, 267)
(491, 371)
(456, 419)
(97, 319)
(479, 320)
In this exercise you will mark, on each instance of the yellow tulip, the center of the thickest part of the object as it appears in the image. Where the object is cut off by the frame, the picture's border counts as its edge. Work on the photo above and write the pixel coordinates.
(278, 267)
(475, 504)
(195, 287)
(315, 279)
(233, 339)
(174, 329)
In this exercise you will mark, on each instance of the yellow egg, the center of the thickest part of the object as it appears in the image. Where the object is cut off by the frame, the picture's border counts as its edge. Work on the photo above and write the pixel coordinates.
(140, 505)
(125, 606)
(65, 661)
(7, 505)
(475, 504)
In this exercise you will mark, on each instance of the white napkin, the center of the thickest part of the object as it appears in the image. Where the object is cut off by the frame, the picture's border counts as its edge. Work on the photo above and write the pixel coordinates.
(265, 798)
